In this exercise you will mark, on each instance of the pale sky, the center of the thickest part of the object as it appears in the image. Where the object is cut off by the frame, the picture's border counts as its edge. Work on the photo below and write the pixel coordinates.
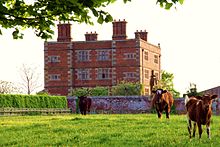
(188, 36)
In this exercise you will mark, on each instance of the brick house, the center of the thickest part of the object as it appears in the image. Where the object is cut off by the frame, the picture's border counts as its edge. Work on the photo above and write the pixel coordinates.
(73, 64)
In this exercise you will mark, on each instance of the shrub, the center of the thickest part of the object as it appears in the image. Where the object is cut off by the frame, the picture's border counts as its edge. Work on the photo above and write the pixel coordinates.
(127, 88)
(32, 101)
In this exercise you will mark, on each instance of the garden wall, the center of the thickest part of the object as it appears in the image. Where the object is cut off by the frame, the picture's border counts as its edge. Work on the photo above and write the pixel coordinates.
(123, 104)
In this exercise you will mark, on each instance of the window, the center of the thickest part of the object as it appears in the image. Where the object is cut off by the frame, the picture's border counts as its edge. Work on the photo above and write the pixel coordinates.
(130, 75)
(156, 59)
(83, 74)
(157, 76)
(129, 55)
(146, 55)
(54, 77)
(146, 91)
(83, 56)
(146, 73)
(54, 59)
(103, 55)
(103, 73)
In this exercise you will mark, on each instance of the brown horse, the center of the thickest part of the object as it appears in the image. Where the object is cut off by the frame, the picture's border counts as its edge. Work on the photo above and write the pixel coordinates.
(162, 100)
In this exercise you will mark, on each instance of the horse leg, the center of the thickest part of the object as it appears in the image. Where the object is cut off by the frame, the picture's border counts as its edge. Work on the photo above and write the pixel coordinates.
(189, 128)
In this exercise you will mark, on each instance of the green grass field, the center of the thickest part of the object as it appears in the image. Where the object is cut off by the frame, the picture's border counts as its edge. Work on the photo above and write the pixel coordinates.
(103, 130)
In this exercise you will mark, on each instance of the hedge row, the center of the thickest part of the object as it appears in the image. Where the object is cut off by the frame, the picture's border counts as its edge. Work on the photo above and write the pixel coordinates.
(32, 101)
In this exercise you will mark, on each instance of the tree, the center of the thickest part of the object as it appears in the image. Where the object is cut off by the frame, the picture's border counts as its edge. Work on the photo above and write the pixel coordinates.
(95, 91)
(192, 91)
(166, 82)
(8, 87)
(128, 89)
(41, 15)
(30, 79)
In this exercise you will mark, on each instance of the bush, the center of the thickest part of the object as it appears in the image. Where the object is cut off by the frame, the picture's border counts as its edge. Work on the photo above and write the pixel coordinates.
(127, 88)
(32, 101)
(96, 91)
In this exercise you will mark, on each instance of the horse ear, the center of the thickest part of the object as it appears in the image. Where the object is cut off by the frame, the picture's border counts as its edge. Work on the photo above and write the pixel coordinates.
(164, 91)
(214, 96)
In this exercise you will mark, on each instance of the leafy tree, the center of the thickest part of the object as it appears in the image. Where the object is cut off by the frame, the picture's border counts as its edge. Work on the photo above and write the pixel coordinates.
(166, 82)
(96, 91)
(41, 15)
(99, 91)
(42, 92)
(192, 91)
(127, 88)
(80, 92)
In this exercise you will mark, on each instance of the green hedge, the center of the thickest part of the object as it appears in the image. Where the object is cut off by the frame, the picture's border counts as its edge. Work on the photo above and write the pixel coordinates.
(32, 101)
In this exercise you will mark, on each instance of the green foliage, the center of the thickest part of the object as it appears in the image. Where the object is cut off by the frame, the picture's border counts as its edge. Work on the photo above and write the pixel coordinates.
(127, 88)
(118, 130)
(80, 92)
(43, 92)
(96, 91)
(166, 82)
(192, 91)
(99, 91)
(41, 15)
(32, 101)
(167, 4)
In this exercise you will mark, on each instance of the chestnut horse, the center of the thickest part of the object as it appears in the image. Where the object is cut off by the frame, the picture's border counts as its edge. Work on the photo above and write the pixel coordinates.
(162, 100)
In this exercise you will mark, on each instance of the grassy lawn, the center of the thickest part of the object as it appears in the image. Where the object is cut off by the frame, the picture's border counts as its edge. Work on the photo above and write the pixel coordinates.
(102, 130)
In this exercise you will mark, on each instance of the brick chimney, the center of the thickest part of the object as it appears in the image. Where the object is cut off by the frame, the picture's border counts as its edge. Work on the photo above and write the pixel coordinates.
(91, 36)
(64, 32)
(119, 30)
(141, 34)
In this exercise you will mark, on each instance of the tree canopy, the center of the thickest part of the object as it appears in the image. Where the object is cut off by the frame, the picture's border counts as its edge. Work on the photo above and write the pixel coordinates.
(41, 15)
(166, 82)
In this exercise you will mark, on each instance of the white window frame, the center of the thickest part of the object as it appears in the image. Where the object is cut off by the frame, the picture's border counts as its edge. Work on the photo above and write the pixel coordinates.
(156, 59)
(130, 55)
(130, 75)
(54, 59)
(103, 55)
(83, 55)
(54, 77)
(146, 55)
(103, 73)
(146, 74)
(83, 74)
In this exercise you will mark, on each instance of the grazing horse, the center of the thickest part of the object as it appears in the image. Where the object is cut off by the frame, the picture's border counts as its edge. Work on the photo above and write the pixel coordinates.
(199, 111)
(162, 100)
(84, 104)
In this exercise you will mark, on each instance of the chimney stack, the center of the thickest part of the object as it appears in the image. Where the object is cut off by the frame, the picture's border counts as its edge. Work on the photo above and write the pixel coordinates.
(141, 34)
(64, 32)
(91, 36)
(119, 30)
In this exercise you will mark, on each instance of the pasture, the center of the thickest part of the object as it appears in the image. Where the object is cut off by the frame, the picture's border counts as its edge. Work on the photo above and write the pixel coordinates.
(103, 130)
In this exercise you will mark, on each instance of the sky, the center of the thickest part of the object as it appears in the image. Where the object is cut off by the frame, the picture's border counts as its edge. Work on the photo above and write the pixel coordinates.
(189, 37)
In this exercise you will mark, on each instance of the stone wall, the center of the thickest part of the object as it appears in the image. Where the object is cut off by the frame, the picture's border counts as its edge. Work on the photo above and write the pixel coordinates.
(123, 104)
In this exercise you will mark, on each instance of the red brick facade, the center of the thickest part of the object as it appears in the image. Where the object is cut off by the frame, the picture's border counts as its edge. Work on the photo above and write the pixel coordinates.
(72, 64)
